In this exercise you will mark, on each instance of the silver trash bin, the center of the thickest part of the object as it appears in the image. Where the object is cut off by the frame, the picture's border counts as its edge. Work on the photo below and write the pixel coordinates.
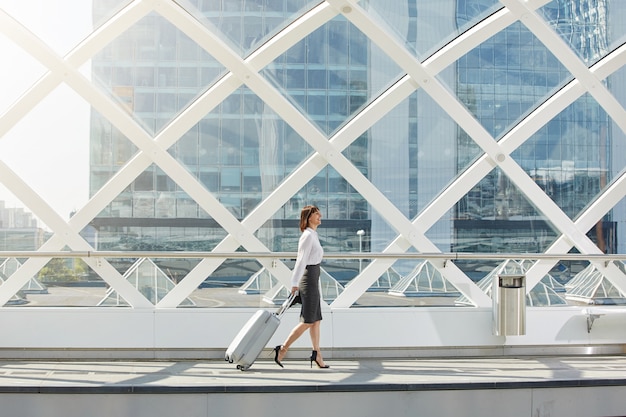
(509, 304)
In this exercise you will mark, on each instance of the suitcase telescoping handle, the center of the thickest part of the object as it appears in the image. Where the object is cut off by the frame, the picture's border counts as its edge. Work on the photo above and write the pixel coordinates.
(288, 302)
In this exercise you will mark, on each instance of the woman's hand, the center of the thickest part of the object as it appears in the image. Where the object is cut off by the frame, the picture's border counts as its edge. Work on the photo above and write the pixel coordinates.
(294, 290)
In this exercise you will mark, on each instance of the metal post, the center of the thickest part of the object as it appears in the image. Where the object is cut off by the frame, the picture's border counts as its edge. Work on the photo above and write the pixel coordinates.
(360, 233)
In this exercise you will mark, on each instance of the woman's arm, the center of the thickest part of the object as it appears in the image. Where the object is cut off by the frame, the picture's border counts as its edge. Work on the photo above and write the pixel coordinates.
(305, 244)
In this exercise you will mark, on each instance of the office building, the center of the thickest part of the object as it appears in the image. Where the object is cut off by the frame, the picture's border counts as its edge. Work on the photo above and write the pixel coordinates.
(242, 149)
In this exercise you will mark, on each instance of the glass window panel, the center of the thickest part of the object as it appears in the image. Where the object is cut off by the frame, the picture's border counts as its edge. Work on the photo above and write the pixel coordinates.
(495, 216)
(317, 79)
(145, 76)
(167, 36)
(165, 206)
(583, 26)
(187, 49)
(188, 77)
(186, 208)
(318, 185)
(210, 180)
(338, 79)
(143, 205)
(208, 74)
(251, 133)
(317, 44)
(232, 203)
(251, 180)
(248, 205)
(296, 54)
(617, 84)
(246, 25)
(144, 182)
(19, 229)
(122, 76)
(337, 185)
(316, 105)
(121, 207)
(488, 89)
(166, 102)
(187, 148)
(208, 152)
(98, 179)
(231, 142)
(365, 82)
(569, 159)
(338, 105)
(58, 284)
(295, 78)
(148, 61)
(426, 26)
(337, 37)
(145, 102)
(231, 179)
(167, 77)
(232, 104)
(164, 182)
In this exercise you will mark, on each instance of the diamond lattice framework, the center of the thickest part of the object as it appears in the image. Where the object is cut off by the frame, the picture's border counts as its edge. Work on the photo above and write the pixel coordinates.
(406, 78)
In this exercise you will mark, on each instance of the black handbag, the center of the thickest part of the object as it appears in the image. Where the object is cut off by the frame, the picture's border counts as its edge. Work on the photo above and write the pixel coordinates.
(296, 300)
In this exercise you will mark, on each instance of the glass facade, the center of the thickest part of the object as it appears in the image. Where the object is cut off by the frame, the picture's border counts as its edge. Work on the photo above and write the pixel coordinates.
(242, 150)
(501, 82)
(264, 106)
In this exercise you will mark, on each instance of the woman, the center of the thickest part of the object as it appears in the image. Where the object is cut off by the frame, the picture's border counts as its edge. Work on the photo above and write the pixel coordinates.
(305, 279)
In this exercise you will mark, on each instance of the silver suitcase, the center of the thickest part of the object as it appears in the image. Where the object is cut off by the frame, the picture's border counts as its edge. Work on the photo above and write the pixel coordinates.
(254, 336)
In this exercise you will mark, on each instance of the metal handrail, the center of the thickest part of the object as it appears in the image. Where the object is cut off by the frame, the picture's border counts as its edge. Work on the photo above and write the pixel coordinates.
(448, 256)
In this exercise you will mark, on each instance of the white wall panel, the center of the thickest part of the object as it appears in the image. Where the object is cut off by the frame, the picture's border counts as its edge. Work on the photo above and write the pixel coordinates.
(380, 332)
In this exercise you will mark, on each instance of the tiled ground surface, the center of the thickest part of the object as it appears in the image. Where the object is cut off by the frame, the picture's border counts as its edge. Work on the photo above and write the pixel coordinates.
(343, 376)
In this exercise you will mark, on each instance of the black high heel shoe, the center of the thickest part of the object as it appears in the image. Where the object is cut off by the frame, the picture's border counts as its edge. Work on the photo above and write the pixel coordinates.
(277, 349)
(313, 358)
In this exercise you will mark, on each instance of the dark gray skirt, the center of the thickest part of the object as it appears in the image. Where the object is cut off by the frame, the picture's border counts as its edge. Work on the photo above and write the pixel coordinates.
(309, 288)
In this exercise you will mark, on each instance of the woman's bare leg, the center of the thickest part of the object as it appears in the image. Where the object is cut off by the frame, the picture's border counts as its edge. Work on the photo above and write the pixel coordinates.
(314, 331)
(293, 336)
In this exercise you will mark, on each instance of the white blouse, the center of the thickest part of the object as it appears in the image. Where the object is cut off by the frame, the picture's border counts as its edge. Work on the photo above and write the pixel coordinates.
(310, 252)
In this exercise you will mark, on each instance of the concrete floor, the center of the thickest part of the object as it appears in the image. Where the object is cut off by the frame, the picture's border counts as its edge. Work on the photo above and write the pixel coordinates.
(358, 374)
(511, 386)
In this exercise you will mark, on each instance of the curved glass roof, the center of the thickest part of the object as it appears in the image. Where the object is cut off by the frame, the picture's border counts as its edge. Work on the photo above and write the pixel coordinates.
(420, 117)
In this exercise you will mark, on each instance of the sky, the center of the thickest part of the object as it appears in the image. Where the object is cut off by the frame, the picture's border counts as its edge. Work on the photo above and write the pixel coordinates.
(48, 147)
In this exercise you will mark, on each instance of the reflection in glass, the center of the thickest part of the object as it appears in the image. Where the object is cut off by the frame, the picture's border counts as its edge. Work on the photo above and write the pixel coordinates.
(506, 76)
(241, 152)
(425, 26)
(495, 216)
(582, 24)
(244, 26)
(569, 158)
(340, 73)
(143, 70)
